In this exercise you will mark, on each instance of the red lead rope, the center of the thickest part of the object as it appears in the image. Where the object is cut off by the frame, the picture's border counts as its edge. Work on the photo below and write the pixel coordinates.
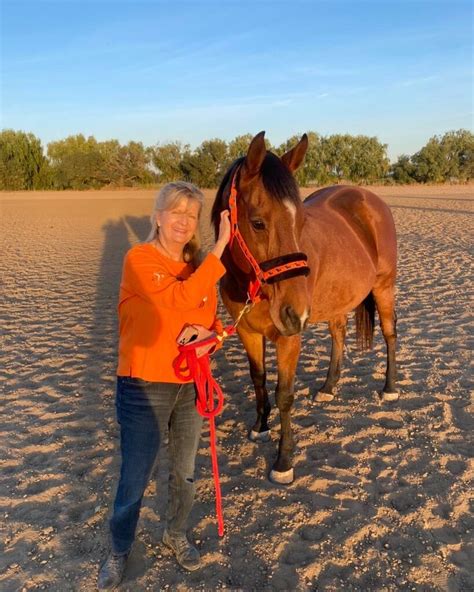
(187, 365)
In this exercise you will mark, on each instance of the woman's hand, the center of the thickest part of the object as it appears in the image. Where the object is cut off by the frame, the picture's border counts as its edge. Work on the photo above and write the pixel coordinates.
(224, 228)
(224, 234)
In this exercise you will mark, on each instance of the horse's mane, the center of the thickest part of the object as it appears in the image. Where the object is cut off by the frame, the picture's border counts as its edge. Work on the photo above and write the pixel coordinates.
(279, 183)
(221, 202)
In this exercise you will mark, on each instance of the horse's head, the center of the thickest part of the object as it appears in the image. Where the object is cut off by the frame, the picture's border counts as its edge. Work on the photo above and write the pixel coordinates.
(270, 220)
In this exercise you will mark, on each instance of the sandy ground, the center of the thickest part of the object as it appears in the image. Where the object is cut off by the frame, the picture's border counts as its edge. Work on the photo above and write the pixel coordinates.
(381, 496)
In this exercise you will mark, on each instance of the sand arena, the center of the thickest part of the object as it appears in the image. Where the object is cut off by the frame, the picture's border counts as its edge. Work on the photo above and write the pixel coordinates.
(381, 495)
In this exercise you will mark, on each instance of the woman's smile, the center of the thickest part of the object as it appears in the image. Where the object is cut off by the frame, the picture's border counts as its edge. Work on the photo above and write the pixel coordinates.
(178, 224)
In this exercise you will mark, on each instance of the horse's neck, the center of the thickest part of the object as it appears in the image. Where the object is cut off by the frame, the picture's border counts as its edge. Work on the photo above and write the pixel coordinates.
(235, 282)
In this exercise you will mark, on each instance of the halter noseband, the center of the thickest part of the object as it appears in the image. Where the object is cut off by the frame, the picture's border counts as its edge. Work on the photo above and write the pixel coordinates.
(270, 271)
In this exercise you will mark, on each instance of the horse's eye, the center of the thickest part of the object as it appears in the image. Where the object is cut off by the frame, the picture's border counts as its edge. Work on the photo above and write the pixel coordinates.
(258, 224)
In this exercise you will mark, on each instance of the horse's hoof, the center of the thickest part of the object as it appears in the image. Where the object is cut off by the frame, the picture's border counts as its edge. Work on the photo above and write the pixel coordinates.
(282, 477)
(386, 397)
(260, 436)
(320, 397)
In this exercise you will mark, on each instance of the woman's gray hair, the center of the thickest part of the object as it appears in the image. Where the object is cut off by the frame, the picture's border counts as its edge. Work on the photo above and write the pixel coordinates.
(166, 199)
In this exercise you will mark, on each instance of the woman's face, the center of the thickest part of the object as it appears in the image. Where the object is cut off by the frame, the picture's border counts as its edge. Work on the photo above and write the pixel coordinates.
(178, 224)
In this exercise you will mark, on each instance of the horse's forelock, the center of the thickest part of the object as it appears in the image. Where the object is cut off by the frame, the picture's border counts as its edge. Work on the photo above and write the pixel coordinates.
(278, 181)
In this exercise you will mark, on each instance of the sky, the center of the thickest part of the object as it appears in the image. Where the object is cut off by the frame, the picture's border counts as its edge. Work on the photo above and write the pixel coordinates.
(156, 71)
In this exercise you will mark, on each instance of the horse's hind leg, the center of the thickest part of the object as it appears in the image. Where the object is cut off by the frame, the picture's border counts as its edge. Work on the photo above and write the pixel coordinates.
(254, 344)
(288, 350)
(384, 296)
(337, 327)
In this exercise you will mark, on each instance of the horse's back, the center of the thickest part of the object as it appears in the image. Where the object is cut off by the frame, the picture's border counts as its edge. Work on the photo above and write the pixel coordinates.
(347, 199)
(367, 215)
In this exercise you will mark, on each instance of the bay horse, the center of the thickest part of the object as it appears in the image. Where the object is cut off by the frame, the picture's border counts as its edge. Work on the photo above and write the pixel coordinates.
(347, 235)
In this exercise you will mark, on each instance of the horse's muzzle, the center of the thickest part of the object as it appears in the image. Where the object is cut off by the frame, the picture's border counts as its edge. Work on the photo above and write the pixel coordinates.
(291, 321)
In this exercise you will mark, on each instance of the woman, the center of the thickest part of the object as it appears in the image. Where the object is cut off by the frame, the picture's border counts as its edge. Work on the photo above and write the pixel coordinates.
(162, 289)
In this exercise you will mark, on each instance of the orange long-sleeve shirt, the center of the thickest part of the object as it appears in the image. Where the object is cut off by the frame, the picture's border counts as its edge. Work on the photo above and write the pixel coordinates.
(158, 296)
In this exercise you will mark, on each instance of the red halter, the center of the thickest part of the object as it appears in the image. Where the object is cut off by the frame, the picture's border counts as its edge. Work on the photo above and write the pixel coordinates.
(266, 272)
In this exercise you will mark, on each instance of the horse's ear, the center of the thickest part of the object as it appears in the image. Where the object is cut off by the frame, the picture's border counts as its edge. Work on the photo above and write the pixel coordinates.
(254, 159)
(294, 157)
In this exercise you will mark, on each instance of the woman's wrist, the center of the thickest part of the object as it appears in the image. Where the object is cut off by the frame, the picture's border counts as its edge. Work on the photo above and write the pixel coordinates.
(218, 249)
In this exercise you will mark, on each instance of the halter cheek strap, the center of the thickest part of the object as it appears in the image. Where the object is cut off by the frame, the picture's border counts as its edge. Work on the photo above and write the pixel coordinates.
(270, 271)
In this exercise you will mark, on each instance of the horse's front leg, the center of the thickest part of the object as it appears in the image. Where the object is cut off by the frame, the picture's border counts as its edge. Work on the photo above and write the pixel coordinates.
(254, 344)
(288, 350)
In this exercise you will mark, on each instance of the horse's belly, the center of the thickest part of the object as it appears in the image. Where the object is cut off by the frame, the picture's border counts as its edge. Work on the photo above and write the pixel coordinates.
(341, 285)
(324, 309)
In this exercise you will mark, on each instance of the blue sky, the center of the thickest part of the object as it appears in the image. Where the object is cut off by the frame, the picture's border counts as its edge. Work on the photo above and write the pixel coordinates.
(173, 70)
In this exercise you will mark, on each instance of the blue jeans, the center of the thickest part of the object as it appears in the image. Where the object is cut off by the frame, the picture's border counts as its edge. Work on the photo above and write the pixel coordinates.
(148, 413)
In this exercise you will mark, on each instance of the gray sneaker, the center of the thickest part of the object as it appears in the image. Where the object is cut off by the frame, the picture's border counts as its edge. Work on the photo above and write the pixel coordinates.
(111, 572)
(186, 554)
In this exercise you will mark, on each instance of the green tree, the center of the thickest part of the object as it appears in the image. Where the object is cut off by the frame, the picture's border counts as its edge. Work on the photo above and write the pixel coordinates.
(458, 153)
(78, 163)
(313, 170)
(429, 162)
(216, 150)
(359, 159)
(22, 162)
(238, 147)
(370, 163)
(126, 166)
(167, 160)
(337, 157)
(199, 169)
(403, 171)
(207, 164)
(445, 158)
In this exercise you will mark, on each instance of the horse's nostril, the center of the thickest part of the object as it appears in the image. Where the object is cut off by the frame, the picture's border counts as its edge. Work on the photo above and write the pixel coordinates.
(290, 319)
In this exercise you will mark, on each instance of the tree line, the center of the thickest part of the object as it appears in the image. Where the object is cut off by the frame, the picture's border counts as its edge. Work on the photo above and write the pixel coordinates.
(78, 162)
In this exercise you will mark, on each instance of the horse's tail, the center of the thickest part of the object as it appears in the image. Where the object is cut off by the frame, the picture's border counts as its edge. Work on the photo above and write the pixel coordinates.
(365, 316)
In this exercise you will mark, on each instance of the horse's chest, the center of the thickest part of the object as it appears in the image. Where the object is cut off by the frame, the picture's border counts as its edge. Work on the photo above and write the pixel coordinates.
(258, 320)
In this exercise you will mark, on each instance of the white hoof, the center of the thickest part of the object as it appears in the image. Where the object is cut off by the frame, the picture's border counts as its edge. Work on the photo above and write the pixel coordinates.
(390, 396)
(320, 397)
(260, 436)
(284, 477)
